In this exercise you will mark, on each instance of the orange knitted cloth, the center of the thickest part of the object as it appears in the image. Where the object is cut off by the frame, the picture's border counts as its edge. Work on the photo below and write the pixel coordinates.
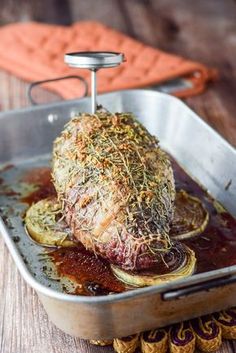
(35, 51)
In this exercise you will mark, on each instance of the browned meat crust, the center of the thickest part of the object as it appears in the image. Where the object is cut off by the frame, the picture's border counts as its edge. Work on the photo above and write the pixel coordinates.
(116, 187)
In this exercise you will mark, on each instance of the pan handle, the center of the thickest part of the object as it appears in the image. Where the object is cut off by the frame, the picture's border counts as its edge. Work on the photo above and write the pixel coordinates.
(38, 83)
(197, 288)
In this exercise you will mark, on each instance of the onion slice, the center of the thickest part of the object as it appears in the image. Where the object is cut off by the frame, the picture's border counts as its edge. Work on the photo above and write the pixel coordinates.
(142, 279)
(44, 224)
(190, 216)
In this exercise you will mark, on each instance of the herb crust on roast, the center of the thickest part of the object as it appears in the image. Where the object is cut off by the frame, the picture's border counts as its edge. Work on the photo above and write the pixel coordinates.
(116, 188)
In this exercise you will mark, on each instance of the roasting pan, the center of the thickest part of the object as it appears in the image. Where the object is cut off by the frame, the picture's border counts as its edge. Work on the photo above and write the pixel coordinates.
(26, 138)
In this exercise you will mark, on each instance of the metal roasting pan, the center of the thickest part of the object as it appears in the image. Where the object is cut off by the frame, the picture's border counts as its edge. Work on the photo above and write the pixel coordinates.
(26, 138)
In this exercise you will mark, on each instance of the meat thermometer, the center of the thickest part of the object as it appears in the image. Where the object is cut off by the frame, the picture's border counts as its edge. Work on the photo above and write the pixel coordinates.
(94, 60)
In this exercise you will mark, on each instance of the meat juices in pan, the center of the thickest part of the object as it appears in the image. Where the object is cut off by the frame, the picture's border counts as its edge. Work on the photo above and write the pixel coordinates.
(106, 160)
(215, 248)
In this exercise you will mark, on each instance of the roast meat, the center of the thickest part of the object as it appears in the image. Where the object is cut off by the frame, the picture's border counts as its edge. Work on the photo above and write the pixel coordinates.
(116, 188)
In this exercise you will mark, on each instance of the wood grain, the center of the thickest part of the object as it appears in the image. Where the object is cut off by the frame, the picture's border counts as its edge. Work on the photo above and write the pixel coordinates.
(201, 30)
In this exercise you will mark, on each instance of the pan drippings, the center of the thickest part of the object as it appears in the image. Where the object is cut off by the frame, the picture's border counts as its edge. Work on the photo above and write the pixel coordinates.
(214, 248)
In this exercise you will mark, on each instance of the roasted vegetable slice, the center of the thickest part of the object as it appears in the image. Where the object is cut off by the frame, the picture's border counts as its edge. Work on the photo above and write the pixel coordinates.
(126, 344)
(182, 339)
(154, 341)
(45, 225)
(208, 333)
(227, 321)
(180, 254)
(190, 216)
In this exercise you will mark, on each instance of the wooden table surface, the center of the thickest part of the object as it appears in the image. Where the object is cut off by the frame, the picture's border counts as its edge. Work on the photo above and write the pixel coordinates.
(203, 30)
